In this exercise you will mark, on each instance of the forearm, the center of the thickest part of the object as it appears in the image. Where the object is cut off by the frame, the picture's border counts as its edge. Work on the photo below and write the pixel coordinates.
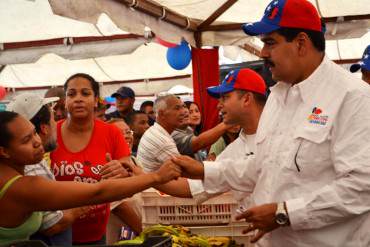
(62, 225)
(178, 188)
(116, 189)
(343, 199)
(229, 174)
(208, 137)
(128, 215)
(73, 194)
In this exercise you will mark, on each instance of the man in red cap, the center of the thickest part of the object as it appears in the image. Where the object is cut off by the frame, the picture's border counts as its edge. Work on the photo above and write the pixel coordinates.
(309, 177)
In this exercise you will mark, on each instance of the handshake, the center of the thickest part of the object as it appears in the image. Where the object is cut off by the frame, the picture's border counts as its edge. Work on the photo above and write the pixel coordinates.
(177, 166)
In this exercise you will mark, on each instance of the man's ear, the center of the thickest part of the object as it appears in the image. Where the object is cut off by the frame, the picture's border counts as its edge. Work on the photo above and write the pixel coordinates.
(161, 112)
(4, 153)
(247, 97)
(302, 40)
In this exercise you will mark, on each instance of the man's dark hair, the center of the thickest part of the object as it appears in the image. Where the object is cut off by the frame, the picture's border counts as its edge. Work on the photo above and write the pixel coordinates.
(259, 98)
(130, 118)
(145, 104)
(5, 118)
(42, 117)
(94, 84)
(317, 38)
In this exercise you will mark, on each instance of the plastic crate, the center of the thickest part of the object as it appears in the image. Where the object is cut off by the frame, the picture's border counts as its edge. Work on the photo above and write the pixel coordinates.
(168, 210)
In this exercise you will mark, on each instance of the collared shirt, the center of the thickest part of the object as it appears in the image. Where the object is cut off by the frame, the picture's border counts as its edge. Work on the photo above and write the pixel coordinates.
(239, 150)
(49, 218)
(155, 147)
(313, 152)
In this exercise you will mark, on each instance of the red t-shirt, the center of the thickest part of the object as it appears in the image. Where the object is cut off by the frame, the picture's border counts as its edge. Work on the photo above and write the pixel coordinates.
(84, 166)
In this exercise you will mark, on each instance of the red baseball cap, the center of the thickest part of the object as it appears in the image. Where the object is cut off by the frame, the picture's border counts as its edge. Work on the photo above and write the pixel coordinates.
(286, 13)
(243, 79)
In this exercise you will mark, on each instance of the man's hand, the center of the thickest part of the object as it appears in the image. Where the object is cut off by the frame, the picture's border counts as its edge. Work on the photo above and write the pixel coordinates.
(191, 168)
(113, 169)
(261, 218)
(132, 168)
(167, 172)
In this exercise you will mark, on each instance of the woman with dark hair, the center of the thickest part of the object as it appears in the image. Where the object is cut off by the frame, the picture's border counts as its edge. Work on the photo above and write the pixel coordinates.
(195, 117)
(88, 150)
(23, 197)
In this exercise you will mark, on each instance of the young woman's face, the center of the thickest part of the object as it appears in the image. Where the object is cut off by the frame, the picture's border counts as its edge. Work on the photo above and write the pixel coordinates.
(194, 115)
(25, 146)
(80, 100)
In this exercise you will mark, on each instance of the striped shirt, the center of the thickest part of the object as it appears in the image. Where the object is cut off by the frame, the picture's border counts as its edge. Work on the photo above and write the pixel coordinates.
(49, 218)
(155, 147)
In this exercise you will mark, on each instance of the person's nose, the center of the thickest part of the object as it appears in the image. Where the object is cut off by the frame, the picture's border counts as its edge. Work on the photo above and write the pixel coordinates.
(37, 141)
(265, 53)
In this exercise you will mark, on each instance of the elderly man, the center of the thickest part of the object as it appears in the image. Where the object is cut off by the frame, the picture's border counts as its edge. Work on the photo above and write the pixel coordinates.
(364, 65)
(157, 145)
(309, 177)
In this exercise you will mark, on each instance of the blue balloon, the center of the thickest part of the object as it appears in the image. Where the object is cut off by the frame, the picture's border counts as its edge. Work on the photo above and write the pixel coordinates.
(179, 57)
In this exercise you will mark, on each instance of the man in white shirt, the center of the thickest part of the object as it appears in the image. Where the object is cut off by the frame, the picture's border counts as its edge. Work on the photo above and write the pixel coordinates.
(310, 176)
(364, 65)
(242, 96)
(157, 145)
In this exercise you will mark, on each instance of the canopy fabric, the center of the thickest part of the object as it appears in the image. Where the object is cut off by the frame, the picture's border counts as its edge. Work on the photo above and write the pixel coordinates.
(36, 20)
(52, 50)
(24, 22)
(146, 63)
(241, 11)
(252, 10)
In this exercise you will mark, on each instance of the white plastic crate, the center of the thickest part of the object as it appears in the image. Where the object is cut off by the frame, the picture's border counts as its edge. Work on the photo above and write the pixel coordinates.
(159, 209)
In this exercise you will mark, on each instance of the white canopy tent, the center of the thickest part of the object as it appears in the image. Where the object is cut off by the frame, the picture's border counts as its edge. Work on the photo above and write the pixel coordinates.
(29, 31)
(25, 36)
(218, 22)
(41, 50)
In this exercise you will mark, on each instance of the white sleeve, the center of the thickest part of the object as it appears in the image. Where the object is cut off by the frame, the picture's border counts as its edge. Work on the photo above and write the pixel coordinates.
(348, 195)
(197, 191)
(230, 174)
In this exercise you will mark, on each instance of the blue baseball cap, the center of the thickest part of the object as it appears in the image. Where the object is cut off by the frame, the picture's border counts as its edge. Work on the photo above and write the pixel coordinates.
(364, 62)
(286, 13)
(124, 92)
(243, 79)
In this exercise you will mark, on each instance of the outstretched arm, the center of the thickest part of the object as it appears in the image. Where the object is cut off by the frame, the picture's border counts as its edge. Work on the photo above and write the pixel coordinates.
(64, 195)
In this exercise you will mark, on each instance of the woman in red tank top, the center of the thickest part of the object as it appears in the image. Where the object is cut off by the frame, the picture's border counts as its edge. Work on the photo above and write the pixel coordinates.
(88, 150)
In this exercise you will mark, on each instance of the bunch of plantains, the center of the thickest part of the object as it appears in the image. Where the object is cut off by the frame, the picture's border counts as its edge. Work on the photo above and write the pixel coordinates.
(181, 237)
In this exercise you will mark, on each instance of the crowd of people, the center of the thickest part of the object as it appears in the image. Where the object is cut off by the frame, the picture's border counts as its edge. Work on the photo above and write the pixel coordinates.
(296, 161)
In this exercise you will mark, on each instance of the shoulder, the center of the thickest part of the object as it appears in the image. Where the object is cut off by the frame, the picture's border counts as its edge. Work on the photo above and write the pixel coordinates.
(342, 80)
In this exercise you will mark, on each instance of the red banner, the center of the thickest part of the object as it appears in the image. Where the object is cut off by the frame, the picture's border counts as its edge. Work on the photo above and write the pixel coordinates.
(205, 74)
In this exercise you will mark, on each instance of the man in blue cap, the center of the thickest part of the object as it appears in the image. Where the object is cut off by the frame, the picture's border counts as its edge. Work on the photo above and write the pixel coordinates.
(125, 98)
(309, 177)
(364, 65)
